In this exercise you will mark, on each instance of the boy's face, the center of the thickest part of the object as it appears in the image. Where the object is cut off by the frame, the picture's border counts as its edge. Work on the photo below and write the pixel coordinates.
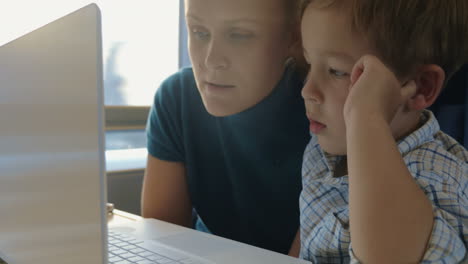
(331, 48)
(238, 49)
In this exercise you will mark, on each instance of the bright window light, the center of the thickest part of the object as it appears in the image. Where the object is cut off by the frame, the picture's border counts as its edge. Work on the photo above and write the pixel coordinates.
(140, 40)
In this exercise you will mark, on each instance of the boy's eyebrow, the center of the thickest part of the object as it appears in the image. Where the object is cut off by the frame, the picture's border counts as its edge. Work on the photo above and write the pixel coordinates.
(340, 55)
(336, 54)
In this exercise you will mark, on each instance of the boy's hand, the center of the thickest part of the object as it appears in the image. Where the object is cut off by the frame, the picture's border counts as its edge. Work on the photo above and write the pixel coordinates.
(375, 90)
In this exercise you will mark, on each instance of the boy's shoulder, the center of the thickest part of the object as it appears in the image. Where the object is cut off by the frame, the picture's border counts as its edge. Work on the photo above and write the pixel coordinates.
(439, 159)
(442, 149)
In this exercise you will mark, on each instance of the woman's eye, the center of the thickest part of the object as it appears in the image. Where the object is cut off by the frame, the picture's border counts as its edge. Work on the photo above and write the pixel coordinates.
(200, 34)
(338, 73)
(240, 36)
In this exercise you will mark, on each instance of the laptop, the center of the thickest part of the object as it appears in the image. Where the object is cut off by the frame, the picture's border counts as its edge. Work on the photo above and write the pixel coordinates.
(52, 166)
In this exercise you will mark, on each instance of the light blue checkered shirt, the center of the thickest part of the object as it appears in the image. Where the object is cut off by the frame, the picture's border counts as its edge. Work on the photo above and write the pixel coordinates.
(438, 164)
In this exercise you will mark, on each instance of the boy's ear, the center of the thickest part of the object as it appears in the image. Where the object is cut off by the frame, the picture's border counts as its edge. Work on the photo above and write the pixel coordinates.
(429, 81)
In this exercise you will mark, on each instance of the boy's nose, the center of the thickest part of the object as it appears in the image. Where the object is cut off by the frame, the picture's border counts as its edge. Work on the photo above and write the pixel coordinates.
(215, 57)
(311, 93)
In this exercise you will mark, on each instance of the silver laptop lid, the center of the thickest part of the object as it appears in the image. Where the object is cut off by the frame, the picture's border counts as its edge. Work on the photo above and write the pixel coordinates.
(52, 184)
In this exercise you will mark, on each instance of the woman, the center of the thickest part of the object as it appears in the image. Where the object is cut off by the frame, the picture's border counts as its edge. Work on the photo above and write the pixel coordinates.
(226, 137)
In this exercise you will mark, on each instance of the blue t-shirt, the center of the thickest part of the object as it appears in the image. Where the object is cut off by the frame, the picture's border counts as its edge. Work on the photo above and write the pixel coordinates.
(243, 170)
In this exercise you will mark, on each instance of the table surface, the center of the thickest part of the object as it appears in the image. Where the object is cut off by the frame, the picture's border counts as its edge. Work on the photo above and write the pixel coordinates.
(121, 217)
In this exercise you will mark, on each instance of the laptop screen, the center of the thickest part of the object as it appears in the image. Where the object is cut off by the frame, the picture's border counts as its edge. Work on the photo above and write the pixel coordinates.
(52, 185)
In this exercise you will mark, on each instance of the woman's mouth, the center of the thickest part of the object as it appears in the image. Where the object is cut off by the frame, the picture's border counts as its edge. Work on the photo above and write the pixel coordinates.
(213, 87)
(315, 126)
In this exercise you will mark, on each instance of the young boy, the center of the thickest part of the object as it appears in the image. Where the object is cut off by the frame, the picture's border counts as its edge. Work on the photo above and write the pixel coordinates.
(381, 182)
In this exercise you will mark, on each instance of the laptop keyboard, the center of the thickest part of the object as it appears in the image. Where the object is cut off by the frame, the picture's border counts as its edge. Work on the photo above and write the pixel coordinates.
(125, 249)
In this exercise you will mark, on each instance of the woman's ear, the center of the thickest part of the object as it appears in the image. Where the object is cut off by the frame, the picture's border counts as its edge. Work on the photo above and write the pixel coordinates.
(429, 81)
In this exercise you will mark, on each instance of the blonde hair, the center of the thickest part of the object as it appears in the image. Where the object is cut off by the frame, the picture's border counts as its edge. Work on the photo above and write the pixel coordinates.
(408, 33)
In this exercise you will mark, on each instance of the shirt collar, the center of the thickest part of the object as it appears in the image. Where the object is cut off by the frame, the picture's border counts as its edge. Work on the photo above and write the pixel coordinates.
(421, 135)
(321, 165)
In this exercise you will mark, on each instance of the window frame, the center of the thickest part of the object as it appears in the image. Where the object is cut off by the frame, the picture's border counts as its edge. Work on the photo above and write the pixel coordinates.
(123, 117)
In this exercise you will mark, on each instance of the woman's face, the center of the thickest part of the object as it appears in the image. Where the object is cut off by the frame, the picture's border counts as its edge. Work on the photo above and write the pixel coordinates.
(238, 49)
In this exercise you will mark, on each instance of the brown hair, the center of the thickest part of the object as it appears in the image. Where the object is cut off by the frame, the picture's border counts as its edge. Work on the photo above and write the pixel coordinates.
(294, 10)
(408, 33)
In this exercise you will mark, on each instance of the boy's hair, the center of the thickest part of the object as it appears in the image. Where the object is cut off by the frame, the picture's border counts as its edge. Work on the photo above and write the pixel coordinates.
(408, 33)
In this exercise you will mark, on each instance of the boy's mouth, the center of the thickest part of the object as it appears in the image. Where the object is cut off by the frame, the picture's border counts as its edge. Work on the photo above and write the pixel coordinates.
(315, 126)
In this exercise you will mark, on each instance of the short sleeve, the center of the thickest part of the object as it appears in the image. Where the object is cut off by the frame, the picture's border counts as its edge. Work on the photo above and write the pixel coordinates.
(164, 125)
(447, 195)
(445, 244)
(353, 259)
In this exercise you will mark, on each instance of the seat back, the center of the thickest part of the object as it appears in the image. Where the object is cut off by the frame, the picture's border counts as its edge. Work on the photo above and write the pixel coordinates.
(451, 108)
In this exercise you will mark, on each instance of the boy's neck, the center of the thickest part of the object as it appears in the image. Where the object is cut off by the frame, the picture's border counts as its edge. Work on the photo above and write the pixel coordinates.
(406, 124)
(341, 168)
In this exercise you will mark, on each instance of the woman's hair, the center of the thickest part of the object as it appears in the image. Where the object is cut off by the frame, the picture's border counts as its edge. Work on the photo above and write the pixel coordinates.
(408, 33)
(294, 11)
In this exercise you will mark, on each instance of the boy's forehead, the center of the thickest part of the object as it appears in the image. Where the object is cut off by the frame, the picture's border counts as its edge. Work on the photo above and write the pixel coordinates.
(328, 21)
(328, 32)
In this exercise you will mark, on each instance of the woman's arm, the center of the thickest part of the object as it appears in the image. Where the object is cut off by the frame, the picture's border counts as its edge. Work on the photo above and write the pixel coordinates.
(296, 245)
(165, 193)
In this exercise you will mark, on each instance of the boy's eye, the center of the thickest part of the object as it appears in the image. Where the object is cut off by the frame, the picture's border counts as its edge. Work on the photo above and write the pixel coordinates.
(337, 73)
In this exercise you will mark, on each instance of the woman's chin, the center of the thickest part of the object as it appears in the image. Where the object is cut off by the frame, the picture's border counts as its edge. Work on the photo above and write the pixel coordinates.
(220, 110)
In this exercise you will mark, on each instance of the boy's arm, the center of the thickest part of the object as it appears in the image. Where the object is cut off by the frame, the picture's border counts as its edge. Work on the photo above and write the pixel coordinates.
(390, 217)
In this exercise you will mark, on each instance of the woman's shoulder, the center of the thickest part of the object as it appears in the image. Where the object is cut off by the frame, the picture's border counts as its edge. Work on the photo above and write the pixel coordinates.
(178, 85)
(182, 78)
(178, 94)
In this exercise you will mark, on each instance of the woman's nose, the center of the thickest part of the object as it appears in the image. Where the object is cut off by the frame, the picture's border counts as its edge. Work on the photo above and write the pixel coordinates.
(216, 58)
